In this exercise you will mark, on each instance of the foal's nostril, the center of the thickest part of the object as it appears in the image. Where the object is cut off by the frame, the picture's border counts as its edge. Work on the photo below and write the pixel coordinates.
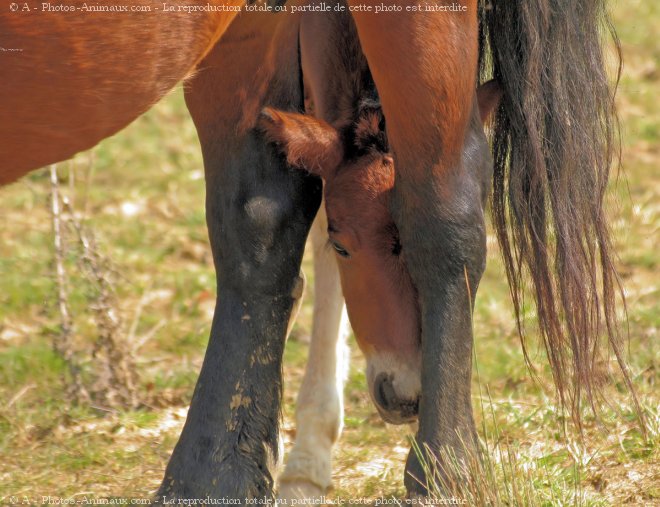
(384, 392)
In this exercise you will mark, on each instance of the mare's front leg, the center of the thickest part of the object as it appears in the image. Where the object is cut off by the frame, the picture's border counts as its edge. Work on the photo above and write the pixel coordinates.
(424, 66)
(319, 408)
(258, 214)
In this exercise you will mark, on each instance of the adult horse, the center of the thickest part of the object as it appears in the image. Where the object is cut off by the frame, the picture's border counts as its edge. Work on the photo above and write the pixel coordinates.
(69, 80)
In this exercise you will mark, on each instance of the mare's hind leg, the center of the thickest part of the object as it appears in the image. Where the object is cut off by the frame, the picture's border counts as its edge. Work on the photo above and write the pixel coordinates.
(319, 409)
(424, 66)
(259, 212)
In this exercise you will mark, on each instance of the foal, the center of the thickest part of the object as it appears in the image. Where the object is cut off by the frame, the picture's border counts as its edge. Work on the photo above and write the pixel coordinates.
(358, 171)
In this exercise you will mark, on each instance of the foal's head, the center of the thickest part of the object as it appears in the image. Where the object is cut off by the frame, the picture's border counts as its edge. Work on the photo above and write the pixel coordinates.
(358, 171)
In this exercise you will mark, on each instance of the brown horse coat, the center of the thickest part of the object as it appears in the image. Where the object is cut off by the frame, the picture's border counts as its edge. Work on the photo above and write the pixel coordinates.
(70, 79)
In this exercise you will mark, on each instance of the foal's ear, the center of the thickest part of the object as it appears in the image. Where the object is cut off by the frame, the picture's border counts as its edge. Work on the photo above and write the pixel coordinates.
(489, 95)
(306, 142)
(370, 127)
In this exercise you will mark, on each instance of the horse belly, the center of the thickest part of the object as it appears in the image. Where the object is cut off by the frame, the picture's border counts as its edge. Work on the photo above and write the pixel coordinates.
(70, 78)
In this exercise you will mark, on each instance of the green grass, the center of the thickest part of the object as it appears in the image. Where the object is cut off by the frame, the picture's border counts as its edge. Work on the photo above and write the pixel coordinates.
(146, 206)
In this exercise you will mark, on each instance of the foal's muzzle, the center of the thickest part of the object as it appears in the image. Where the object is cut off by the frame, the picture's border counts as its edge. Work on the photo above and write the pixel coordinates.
(392, 408)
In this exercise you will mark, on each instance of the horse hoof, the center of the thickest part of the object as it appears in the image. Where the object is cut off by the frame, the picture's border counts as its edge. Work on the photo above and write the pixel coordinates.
(304, 492)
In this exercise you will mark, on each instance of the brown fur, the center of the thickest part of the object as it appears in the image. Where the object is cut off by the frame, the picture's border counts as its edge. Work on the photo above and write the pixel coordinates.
(96, 74)
(380, 297)
(309, 143)
(436, 104)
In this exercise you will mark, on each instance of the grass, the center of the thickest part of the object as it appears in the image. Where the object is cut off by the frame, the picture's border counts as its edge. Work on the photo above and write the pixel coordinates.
(146, 206)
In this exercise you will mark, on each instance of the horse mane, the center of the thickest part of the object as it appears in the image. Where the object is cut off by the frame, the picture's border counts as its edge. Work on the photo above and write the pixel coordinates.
(555, 138)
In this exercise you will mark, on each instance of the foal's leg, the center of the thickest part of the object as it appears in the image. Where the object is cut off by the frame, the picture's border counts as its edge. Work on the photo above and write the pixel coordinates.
(319, 409)
(424, 66)
(297, 294)
(258, 214)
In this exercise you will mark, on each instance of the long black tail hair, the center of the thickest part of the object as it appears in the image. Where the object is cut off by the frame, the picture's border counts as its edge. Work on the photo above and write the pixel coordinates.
(555, 138)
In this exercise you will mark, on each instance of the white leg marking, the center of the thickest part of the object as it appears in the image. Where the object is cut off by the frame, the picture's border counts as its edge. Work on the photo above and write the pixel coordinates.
(297, 295)
(320, 408)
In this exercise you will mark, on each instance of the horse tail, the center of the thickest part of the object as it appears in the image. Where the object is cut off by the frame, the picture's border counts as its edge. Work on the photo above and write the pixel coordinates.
(555, 137)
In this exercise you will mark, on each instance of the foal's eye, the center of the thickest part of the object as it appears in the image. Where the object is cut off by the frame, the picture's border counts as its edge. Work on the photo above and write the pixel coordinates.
(396, 247)
(340, 249)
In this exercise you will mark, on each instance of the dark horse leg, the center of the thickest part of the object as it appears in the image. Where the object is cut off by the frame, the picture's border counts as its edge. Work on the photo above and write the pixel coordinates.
(258, 213)
(424, 66)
